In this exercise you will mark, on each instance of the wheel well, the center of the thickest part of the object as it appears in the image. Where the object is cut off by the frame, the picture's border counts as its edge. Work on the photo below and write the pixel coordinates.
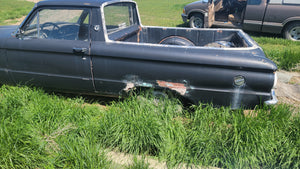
(288, 24)
(193, 13)
(177, 40)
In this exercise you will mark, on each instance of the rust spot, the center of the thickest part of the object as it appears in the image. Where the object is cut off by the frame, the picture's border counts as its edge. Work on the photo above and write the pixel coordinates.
(138, 34)
(178, 87)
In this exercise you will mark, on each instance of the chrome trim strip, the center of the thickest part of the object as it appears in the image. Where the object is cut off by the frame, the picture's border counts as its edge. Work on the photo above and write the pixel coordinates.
(274, 99)
(252, 22)
(273, 24)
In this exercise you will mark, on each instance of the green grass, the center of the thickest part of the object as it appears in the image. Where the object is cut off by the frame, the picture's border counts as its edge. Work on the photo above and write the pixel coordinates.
(162, 12)
(45, 131)
(12, 9)
(40, 130)
(285, 53)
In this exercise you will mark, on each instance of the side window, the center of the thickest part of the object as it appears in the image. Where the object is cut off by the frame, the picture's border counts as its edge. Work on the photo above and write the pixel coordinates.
(254, 2)
(275, 1)
(119, 16)
(65, 24)
(291, 1)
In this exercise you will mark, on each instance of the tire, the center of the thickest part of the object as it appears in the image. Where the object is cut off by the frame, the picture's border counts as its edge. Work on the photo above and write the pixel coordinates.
(292, 31)
(176, 40)
(197, 21)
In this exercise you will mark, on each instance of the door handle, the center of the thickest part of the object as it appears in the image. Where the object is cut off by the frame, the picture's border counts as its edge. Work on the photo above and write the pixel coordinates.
(79, 50)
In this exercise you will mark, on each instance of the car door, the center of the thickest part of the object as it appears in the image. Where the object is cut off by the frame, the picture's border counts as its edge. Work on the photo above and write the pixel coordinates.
(211, 13)
(254, 15)
(52, 50)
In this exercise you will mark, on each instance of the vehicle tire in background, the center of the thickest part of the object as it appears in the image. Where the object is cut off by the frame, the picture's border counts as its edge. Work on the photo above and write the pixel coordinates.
(176, 40)
(197, 21)
(292, 31)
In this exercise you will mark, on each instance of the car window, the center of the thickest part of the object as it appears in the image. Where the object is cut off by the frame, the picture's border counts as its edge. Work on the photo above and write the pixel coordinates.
(119, 16)
(254, 2)
(275, 1)
(291, 1)
(65, 24)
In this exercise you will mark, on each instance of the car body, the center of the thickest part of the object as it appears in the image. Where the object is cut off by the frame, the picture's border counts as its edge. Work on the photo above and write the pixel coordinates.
(100, 47)
(272, 16)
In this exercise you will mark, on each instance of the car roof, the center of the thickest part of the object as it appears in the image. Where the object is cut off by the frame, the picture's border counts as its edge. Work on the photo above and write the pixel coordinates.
(89, 3)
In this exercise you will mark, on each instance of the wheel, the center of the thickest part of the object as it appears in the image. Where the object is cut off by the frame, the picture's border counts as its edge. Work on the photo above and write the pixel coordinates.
(292, 31)
(197, 21)
(176, 40)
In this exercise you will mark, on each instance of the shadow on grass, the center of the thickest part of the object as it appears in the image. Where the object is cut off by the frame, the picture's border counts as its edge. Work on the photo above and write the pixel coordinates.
(186, 25)
(261, 34)
(89, 99)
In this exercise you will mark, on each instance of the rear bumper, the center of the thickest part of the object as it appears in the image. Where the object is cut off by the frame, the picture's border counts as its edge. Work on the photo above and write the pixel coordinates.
(184, 17)
(274, 99)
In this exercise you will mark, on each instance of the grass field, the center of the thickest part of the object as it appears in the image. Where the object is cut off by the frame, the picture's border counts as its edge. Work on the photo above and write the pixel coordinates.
(10, 10)
(285, 53)
(42, 130)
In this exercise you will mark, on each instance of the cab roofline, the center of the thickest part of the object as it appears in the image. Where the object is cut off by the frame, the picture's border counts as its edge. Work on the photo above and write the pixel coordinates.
(87, 3)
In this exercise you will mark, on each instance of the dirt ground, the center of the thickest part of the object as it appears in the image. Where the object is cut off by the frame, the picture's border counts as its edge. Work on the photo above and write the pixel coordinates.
(288, 88)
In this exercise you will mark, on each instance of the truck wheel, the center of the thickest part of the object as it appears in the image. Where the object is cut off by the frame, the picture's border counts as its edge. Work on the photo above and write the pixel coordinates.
(197, 21)
(176, 40)
(292, 31)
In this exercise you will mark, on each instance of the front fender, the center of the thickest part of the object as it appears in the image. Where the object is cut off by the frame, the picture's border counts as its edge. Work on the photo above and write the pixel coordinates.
(196, 11)
(291, 19)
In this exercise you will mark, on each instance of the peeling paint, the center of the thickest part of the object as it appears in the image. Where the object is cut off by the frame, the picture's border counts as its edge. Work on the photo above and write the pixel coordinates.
(178, 87)
(133, 81)
(129, 86)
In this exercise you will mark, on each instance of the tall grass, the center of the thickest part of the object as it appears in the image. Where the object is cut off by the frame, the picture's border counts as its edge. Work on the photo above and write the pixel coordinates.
(229, 139)
(207, 136)
(45, 131)
(135, 125)
(39, 130)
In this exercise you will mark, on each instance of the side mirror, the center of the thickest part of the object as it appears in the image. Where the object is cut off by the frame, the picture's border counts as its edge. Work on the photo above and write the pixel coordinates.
(18, 33)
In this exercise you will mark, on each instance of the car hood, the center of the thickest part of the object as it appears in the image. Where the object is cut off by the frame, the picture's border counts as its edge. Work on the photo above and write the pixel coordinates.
(5, 31)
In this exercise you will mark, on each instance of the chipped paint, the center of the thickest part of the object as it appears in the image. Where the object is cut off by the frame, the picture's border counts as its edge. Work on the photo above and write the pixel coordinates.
(178, 87)
(129, 86)
(133, 81)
